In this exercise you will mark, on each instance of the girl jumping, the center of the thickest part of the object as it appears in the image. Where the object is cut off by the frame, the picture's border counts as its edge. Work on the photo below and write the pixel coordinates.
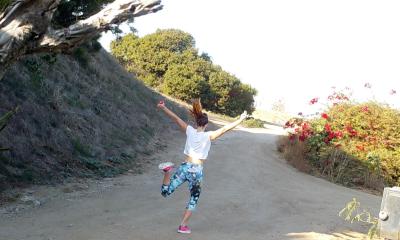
(197, 146)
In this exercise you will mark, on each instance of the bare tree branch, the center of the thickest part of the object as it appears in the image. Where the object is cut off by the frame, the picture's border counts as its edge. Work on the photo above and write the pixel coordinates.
(25, 26)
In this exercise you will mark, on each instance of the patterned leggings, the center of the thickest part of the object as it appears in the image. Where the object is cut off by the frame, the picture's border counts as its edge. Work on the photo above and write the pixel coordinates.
(193, 173)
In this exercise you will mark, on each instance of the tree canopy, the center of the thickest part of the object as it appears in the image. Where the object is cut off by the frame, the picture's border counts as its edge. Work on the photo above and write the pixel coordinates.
(168, 61)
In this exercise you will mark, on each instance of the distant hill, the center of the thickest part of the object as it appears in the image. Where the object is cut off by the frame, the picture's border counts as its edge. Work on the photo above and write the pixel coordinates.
(274, 117)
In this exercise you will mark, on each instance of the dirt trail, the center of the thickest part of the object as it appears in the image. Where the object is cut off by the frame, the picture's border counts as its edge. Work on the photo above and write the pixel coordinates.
(248, 193)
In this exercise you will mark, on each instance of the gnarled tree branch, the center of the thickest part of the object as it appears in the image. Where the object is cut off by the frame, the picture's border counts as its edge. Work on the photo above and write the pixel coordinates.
(25, 26)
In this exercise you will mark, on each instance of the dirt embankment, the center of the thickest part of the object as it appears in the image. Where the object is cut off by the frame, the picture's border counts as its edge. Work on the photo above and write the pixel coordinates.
(79, 116)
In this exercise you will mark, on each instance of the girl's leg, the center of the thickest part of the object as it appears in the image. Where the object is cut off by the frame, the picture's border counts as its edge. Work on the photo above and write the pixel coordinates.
(186, 216)
(195, 190)
(170, 183)
(167, 177)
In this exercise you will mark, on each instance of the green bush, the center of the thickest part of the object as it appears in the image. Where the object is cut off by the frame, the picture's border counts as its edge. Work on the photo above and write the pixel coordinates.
(371, 133)
(168, 61)
(253, 123)
(35, 72)
(180, 81)
(96, 46)
(4, 4)
(82, 56)
(365, 133)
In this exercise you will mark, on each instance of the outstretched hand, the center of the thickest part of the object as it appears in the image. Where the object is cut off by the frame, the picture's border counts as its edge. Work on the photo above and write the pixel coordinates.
(161, 104)
(244, 115)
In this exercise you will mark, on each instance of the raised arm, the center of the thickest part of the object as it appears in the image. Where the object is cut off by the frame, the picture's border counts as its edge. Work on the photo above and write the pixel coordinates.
(218, 133)
(173, 116)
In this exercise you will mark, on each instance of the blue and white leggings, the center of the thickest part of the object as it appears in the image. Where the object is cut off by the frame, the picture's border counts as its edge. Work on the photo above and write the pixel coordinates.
(193, 173)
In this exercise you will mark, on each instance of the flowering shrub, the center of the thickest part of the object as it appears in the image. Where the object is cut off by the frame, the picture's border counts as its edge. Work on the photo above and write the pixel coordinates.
(366, 136)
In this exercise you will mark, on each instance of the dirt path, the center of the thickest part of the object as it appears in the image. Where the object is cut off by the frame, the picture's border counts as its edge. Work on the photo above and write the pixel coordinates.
(248, 193)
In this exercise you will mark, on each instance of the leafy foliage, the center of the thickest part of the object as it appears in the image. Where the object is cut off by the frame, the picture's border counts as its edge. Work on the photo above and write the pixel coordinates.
(82, 56)
(369, 132)
(366, 133)
(352, 213)
(168, 61)
(183, 82)
(253, 123)
(4, 4)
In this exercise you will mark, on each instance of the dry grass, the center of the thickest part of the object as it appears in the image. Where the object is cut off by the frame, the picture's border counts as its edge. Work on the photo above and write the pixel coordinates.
(374, 182)
(294, 152)
(90, 121)
(335, 166)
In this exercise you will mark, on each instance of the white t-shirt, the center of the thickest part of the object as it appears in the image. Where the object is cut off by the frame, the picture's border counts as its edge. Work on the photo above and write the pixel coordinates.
(197, 143)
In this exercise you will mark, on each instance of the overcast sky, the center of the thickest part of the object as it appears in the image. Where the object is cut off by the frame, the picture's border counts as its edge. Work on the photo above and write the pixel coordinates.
(294, 50)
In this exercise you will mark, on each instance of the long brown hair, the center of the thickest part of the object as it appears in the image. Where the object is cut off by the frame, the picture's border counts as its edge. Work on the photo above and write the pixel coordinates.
(197, 112)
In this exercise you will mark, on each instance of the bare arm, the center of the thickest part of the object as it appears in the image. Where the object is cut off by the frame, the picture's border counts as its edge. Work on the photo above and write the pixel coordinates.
(173, 116)
(217, 133)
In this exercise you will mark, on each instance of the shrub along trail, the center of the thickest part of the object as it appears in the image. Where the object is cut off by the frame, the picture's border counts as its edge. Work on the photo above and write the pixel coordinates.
(249, 192)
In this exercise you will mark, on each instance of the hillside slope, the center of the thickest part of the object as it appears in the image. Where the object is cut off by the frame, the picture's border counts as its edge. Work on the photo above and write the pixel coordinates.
(78, 116)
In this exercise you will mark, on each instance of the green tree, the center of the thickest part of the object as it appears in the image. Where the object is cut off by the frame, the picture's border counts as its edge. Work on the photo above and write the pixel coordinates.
(229, 95)
(168, 61)
(183, 82)
(150, 56)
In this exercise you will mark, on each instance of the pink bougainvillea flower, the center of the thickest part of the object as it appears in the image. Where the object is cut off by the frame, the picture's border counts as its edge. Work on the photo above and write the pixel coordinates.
(313, 101)
(339, 134)
(328, 127)
(392, 92)
(302, 137)
(305, 126)
(324, 115)
(365, 109)
(351, 131)
(367, 85)
(292, 137)
(331, 135)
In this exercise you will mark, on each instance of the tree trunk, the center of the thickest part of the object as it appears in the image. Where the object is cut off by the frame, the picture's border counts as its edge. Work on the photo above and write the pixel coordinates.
(25, 26)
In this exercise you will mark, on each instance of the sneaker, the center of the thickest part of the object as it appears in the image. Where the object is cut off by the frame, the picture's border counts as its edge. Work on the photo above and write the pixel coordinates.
(166, 166)
(184, 229)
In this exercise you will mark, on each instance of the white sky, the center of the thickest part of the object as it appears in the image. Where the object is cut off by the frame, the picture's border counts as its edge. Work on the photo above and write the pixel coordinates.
(294, 50)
